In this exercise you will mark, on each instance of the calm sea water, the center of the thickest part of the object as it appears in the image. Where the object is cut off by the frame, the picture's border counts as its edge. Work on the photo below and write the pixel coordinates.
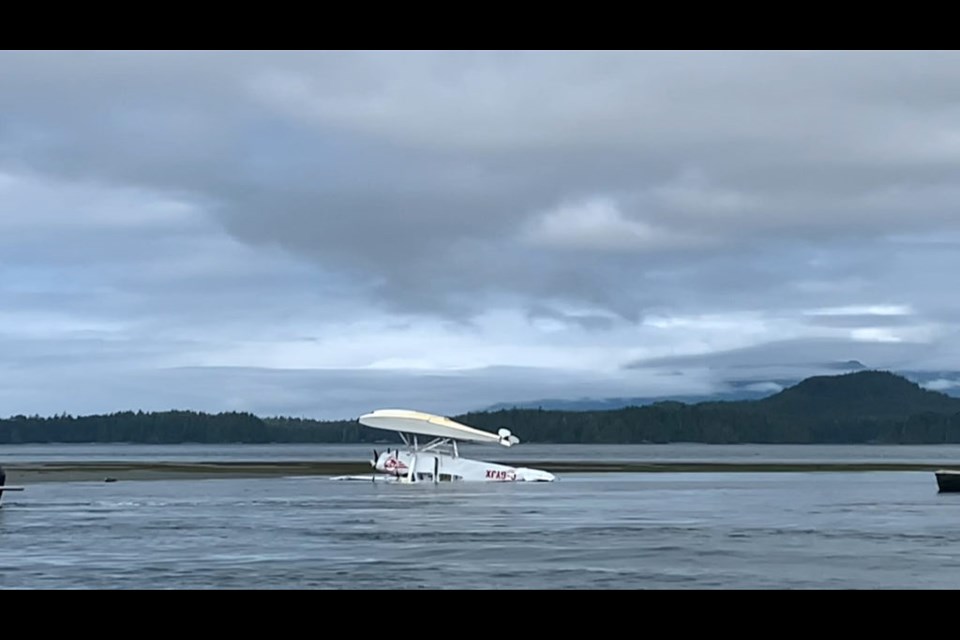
(874, 530)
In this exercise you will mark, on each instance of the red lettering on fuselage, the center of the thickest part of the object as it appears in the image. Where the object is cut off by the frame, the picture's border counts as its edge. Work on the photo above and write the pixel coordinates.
(502, 474)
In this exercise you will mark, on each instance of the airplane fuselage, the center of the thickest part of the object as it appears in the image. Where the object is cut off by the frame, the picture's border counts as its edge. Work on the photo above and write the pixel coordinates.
(430, 466)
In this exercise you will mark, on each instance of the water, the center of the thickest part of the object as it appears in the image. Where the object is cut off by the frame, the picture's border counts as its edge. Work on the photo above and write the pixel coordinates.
(871, 530)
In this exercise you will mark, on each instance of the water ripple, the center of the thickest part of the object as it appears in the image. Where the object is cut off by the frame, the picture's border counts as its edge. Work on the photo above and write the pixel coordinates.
(876, 530)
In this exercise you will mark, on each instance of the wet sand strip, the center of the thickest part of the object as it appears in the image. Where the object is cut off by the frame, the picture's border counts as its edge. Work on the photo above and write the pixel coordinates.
(26, 473)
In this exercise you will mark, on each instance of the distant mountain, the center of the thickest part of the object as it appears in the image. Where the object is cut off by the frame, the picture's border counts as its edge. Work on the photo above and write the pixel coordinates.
(609, 404)
(859, 407)
(849, 365)
(947, 382)
(865, 395)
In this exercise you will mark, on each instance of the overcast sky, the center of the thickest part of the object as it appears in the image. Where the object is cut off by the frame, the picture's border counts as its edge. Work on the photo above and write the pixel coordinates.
(325, 233)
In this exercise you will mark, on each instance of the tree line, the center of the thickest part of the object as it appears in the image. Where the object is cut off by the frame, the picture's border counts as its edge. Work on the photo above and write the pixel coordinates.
(863, 407)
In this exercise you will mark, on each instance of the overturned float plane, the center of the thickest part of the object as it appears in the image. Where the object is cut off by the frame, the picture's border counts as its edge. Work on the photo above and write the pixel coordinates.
(439, 460)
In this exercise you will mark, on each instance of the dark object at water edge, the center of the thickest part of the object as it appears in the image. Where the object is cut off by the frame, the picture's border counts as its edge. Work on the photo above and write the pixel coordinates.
(948, 481)
(4, 487)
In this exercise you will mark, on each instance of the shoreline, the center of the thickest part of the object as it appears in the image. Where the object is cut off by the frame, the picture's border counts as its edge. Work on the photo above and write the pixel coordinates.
(99, 471)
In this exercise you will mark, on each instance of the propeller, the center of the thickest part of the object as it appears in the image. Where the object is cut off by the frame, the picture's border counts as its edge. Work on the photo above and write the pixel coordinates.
(373, 463)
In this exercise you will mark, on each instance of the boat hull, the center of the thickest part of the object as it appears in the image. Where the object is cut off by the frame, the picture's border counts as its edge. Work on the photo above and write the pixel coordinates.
(948, 481)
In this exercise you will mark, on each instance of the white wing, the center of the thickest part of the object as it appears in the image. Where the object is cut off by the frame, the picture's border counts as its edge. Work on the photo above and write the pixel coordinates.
(406, 421)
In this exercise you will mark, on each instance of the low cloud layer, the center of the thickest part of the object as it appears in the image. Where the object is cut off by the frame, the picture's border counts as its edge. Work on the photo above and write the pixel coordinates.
(585, 214)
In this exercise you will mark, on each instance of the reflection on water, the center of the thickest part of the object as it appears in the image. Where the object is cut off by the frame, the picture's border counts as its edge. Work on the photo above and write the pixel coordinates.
(663, 530)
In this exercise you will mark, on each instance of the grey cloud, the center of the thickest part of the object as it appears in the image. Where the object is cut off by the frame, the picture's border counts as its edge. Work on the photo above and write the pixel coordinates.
(400, 168)
(328, 394)
(861, 320)
(198, 200)
(798, 358)
(941, 384)
(590, 322)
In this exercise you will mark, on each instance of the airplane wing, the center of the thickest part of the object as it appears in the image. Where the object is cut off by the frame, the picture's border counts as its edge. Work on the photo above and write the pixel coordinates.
(406, 421)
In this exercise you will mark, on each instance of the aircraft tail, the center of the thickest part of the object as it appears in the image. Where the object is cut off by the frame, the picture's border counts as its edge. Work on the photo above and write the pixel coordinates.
(507, 439)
